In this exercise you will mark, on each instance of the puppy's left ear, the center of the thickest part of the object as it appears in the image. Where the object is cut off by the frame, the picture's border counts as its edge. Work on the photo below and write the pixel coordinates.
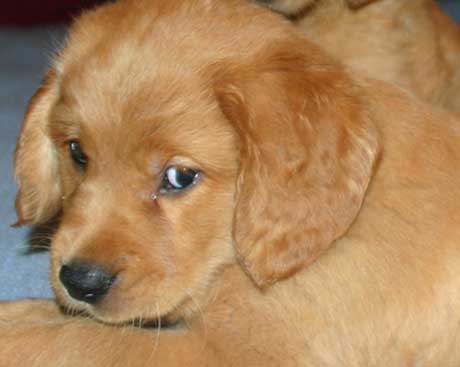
(36, 166)
(307, 153)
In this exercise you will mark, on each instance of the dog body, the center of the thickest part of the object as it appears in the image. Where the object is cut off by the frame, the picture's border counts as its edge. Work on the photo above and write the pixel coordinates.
(320, 231)
(411, 43)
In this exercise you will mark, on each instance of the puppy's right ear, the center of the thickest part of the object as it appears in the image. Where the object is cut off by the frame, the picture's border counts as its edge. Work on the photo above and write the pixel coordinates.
(36, 166)
(307, 154)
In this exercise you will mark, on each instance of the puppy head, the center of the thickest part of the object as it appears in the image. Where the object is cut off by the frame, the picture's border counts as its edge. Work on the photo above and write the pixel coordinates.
(294, 7)
(174, 142)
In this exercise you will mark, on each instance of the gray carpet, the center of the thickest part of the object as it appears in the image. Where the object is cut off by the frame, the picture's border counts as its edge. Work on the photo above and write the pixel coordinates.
(23, 58)
(452, 7)
(24, 54)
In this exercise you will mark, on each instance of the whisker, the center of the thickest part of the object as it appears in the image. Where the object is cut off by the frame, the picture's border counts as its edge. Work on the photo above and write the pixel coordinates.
(202, 317)
(27, 245)
(157, 338)
(37, 247)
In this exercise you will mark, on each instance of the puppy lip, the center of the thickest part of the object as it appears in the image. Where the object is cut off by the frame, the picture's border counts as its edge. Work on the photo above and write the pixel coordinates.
(162, 322)
(82, 309)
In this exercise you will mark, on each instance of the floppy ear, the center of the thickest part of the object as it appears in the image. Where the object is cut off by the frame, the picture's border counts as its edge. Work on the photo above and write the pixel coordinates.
(36, 168)
(307, 152)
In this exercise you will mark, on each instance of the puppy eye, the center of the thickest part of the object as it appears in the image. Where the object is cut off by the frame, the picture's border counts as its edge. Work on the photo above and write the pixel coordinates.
(77, 155)
(178, 178)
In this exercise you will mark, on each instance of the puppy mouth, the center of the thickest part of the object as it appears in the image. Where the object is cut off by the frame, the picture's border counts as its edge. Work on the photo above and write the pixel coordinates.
(163, 322)
(121, 312)
(121, 299)
(91, 291)
(147, 321)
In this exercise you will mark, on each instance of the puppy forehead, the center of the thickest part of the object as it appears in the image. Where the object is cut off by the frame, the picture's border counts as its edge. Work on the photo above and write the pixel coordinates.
(123, 116)
(176, 118)
(133, 75)
(116, 94)
(121, 50)
(177, 32)
(138, 66)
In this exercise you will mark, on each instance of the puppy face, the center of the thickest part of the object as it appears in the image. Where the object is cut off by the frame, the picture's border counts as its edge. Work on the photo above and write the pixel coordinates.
(172, 145)
(147, 190)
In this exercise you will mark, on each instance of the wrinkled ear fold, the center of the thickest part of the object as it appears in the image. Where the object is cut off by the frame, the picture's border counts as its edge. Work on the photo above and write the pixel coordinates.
(36, 168)
(307, 155)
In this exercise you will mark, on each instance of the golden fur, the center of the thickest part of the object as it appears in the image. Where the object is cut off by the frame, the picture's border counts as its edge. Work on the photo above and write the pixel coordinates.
(411, 43)
(324, 230)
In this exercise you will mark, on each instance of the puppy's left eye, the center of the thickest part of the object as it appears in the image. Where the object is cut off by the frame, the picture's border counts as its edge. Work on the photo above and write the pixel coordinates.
(178, 178)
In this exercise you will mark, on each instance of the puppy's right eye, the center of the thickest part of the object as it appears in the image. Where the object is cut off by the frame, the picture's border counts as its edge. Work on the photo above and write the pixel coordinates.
(179, 178)
(77, 154)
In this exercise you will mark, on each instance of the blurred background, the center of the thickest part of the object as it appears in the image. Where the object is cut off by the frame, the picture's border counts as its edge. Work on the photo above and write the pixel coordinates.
(30, 31)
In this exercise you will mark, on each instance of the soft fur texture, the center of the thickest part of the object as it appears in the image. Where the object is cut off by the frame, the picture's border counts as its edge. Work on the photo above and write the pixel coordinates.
(411, 43)
(324, 229)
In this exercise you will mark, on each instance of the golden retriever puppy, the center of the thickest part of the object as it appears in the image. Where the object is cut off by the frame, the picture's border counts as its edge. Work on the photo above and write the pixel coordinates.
(408, 42)
(229, 195)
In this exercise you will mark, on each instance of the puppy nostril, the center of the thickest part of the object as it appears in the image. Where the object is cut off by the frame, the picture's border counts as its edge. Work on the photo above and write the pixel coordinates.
(85, 282)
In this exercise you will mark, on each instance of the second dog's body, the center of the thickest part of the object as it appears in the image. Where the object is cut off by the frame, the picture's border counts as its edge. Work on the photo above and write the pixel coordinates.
(411, 43)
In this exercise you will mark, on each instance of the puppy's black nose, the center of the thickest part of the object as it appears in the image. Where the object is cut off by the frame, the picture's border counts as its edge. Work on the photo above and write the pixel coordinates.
(85, 282)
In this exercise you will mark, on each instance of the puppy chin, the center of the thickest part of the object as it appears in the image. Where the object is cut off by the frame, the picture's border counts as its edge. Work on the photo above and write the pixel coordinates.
(141, 318)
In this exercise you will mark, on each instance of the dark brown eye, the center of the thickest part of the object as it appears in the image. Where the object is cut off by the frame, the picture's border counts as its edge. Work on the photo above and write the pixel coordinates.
(77, 154)
(178, 178)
